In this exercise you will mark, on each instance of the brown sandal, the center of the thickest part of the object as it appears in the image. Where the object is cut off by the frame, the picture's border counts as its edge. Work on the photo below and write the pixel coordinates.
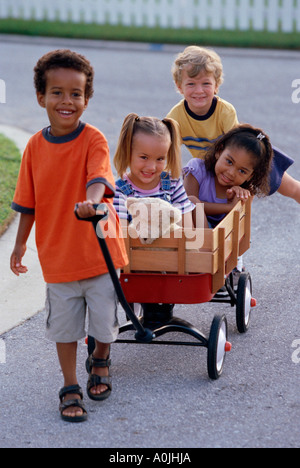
(95, 380)
(72, 389)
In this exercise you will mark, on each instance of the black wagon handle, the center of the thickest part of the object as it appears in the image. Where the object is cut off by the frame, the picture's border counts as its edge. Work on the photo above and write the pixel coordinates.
(143, 335)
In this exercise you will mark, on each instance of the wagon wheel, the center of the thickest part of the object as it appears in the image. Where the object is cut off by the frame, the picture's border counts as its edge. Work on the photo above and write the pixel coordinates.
(217, 346)
(244, 302)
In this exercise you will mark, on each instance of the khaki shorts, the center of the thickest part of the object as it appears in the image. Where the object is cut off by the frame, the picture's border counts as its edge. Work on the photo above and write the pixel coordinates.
(67, 305)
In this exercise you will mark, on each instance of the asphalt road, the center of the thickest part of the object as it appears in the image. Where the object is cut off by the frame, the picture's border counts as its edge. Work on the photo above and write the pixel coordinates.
(162, 397)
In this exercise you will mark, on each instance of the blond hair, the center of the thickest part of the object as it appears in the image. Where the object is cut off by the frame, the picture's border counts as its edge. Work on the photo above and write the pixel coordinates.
(134, 124)
(197, 60)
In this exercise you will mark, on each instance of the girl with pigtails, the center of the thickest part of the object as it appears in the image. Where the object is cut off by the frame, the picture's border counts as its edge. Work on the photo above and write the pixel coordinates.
(148, 163)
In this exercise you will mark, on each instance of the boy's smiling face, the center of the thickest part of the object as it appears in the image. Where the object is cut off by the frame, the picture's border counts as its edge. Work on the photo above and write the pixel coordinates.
(198, 91)
(64, 99)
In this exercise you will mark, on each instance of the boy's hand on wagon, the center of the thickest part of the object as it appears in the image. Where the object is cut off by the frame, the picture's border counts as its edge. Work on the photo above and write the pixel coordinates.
(86, 209)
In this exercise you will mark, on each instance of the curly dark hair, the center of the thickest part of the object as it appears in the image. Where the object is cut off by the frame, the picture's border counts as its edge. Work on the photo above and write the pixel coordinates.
(257, 143)
(63, 58)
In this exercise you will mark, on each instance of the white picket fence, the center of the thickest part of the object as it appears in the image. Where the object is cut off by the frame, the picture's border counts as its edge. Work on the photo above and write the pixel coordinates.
(269, 15)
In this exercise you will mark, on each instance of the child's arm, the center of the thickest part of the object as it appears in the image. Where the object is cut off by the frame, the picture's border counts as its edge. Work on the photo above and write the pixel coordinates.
(94, 196)
(191, 186)
(25, 226)
(234, 194)
(213, 209)
(290, 187)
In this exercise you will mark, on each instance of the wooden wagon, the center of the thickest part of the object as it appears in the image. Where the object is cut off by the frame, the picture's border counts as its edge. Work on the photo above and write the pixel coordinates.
(189, 267)
(186, 257)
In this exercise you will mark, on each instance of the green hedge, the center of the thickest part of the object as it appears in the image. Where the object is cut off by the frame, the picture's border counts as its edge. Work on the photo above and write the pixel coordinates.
(261, 39)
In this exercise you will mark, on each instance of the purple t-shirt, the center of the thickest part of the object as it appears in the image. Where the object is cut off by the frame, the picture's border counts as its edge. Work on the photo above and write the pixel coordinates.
(207, 186)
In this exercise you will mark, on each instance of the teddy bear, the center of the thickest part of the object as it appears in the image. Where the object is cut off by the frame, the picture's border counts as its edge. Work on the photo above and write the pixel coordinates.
(152, 218)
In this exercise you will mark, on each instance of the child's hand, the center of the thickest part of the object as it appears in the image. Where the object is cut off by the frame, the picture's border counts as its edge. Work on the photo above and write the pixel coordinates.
(16, 261)
(85, 209)
(235, 194)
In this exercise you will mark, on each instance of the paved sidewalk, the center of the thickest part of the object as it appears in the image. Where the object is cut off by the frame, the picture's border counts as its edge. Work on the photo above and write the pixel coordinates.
(24, 295)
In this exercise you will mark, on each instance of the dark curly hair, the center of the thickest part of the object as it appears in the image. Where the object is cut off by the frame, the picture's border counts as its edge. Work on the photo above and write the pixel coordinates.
(255, 142)
(63, 58)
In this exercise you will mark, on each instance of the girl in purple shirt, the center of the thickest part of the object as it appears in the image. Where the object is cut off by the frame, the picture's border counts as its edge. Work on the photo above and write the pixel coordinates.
(236, 167)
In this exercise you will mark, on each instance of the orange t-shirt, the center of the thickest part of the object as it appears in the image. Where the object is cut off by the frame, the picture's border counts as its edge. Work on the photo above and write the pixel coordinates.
(54, 175)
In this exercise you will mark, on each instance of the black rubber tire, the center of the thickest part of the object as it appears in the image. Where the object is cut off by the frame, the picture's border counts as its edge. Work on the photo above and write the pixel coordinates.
(243, 308)
(215, 360)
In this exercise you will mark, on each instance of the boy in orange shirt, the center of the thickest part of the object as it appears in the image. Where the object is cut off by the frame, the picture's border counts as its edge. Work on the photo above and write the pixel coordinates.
(62, 165)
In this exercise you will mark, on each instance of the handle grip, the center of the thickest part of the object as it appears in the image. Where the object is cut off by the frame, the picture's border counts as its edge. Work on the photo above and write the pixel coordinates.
(101, 213)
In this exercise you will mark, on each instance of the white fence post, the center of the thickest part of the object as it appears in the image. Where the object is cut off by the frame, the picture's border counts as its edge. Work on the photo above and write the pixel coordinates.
(244, 15)
(202, 17)
(38, 10)
(164, 9)
(272, 14)
(100, 11)
(230, 17)
(297, 16)
(258, 15)
(53, 10)
(181, 13)
(150, 13)
(111, 11)
(16, 9)
(216, 14)
(77, 10)
(287, 16)
(130, 13)
(139, 14)
(65, 11)
(27, 11)
(3, 9)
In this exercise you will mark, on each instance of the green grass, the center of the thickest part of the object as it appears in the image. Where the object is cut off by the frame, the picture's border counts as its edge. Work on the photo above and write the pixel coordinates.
(261, 39)
(10, 158)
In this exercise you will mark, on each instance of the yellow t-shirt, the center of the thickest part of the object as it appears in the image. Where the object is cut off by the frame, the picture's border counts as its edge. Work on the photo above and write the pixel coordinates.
(198, 133)
(54, 175)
